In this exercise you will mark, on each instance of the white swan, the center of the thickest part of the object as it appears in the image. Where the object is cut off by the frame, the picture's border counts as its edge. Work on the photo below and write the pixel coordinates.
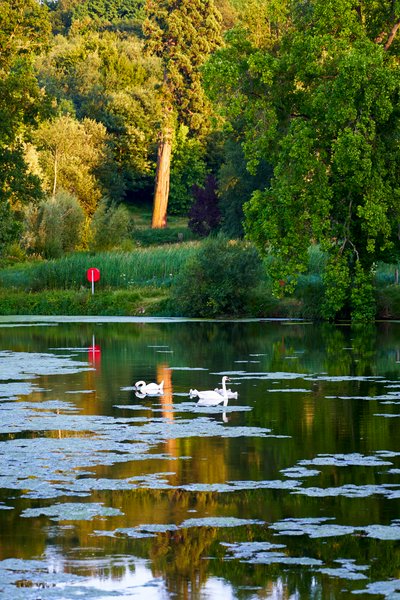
(229, 393)
(149, 388)
(211, 397)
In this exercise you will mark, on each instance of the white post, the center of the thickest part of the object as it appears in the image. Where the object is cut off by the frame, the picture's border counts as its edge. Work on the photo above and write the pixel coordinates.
(92, 283)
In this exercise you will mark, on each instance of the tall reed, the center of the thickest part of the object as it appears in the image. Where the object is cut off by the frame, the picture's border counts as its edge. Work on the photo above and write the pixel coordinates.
(142, 266)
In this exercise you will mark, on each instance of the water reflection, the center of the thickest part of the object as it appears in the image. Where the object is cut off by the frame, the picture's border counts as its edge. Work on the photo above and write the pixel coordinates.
(200, 503)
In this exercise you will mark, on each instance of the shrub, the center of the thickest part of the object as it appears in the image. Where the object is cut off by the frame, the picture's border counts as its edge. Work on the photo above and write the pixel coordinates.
(111, 226)
(53, 227)
(218, 280)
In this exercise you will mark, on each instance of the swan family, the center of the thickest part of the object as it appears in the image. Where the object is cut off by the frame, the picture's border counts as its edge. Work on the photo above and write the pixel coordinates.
(205, 397)
(214, 397)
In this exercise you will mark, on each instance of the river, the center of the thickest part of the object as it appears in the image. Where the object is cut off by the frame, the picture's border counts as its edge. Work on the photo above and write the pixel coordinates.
(291, 491)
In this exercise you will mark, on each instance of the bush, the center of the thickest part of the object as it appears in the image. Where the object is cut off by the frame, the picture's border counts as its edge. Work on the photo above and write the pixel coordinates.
(111, 226)
(54, 226)
(218, 280)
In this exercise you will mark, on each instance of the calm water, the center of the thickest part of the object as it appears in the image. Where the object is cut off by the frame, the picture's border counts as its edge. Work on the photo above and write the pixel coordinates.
(292, 492)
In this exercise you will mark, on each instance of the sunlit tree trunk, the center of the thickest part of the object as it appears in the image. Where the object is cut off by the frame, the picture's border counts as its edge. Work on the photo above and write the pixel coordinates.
(161, 188)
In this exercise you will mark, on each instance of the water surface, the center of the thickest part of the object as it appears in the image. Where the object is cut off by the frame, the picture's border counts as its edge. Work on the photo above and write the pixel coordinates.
(292, 491)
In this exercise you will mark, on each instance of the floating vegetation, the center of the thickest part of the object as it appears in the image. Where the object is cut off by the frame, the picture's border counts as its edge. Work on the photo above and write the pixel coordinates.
(348, 570)
(313, 527)
(387, 589)
(27, 365)
(233, 486)
(345, 460)
(383, 532)
(72, 511)
(264, 553)
(350, 491)
(300, 472)
(151, 530)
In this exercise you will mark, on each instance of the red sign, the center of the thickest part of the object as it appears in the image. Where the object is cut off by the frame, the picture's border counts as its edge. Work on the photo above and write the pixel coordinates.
(93, 274)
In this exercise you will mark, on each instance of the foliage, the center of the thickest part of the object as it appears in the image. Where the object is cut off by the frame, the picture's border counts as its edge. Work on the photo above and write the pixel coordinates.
(111, 226)
(188, 169)
(204, 215)
(24, 30)
(320, 100)
(10, 228)
(95, 14)
(236, 185)
(109, 12)
(182, 35)
(218, 280)
(54, 226)
(363, 305)
(336, 279)
(106, 77)
(70, 152)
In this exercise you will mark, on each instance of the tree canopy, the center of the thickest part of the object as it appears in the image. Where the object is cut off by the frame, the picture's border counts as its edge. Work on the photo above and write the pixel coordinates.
(24, 30)
(321, 96)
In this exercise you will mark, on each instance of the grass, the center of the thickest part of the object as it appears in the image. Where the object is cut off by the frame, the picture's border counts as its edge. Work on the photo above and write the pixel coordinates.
(155, 266)
(81, 302)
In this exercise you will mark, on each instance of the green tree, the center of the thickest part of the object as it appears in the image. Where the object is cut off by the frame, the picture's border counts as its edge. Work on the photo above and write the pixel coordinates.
(182, 34)
(106, 77)
(322, 98)
(70, 152)
(24, 30)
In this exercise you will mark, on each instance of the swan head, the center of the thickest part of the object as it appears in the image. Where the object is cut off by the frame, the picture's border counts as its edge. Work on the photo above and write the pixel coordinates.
(140, 384)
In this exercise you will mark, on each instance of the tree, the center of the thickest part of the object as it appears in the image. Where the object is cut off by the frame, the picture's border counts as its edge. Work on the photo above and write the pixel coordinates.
(70, 152)
(24, 30)
(182, 34)
(323, 107)
(107, 78)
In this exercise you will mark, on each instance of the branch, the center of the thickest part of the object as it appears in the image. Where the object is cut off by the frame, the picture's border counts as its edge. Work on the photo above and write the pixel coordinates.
(392, 35)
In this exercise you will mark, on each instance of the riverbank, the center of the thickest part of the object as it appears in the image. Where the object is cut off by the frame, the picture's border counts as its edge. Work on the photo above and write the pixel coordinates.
(144, 282)
(156, 301)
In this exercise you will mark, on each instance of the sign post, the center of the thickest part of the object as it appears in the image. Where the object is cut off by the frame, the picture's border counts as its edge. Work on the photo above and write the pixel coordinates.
(93, 275)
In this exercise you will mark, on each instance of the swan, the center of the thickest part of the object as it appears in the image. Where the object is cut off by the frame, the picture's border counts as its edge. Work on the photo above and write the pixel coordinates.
(229, 393)
(211, 397)
(149, 388)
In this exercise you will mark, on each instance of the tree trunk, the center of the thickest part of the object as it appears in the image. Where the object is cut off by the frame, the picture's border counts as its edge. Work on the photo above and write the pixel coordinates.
(161, 188)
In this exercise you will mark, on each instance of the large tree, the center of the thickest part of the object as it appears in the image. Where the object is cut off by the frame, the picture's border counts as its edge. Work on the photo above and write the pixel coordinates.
(105, 76)
(322, 107)
(23, 31)
(182, 33)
